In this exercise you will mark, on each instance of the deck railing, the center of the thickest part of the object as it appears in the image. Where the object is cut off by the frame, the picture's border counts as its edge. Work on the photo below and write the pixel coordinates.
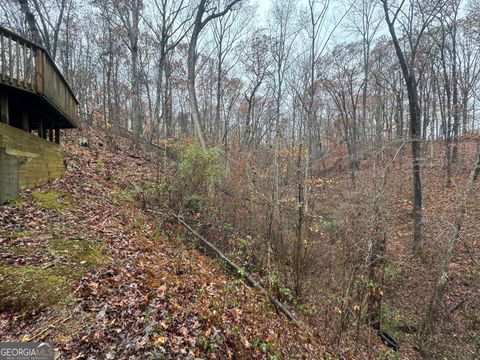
(29, 67)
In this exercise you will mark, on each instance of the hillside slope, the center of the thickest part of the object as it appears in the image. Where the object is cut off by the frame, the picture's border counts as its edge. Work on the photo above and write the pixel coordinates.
(82, 266)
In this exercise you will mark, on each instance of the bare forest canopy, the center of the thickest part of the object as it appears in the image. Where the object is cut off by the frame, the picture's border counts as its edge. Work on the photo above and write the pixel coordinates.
(257, 74)
(330, 147)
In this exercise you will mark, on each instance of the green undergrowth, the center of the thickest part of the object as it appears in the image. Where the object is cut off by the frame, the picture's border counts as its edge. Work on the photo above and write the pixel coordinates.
(393, 322)
(53, 200)
(126, 195)
(31, 287)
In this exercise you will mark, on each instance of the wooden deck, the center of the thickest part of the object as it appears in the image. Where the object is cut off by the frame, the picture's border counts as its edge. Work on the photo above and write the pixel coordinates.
(28, 72)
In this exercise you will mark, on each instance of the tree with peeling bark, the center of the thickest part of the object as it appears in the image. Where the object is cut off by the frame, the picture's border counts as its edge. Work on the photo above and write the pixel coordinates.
(205, 7)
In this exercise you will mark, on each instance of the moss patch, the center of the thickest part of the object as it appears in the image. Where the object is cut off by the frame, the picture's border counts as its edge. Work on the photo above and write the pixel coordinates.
(53, 200)
(19, 201)
(24, 250)
(81, 253)
(30, 287)
(74, 258)
(18, 234)
(34, 287)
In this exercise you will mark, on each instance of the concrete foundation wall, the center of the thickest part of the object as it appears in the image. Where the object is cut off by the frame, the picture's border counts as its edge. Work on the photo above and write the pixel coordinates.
(28, 158)
(9, 186)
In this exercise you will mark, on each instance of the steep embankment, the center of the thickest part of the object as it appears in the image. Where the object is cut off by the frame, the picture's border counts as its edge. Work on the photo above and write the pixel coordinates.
(82, 266)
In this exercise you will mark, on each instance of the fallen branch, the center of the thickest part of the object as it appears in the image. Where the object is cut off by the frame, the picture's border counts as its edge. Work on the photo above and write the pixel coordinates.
(472, 292)
(47, 328)
(237, 269)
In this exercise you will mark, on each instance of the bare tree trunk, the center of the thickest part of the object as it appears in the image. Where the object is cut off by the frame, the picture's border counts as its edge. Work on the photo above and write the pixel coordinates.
(447, 111)
(199, 24)
(301, 213)
(133, 34)
(218, 103)
(50, 29)
(30, 21)
(417, 177)
(456, 113)
(375, 272)
(415, 126)
(192, 95)
(167, 102)
(248, 122)
(137, 119)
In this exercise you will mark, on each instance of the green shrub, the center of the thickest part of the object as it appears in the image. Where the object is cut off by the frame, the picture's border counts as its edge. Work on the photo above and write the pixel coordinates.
(195, 203)
(199, 167)
(393, 321)
(286, 295)
(159, 190)
(127, 195)
(331, 226)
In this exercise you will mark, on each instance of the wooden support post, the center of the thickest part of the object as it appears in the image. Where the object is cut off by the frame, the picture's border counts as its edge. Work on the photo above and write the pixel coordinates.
(4, 111)
(50, 137)
(41, 127)
(57, 134)
(25, 122)
(45, 129)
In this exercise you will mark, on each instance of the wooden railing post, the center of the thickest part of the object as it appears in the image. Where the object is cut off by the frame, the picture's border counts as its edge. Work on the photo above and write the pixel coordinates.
(3, 53)
(10, 57)
(25, 66)
(31, 61)
(17, 62)
(40, 71)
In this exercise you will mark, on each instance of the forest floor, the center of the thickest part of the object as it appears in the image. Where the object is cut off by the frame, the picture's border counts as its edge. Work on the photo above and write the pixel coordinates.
(84, 267)
(409, 280)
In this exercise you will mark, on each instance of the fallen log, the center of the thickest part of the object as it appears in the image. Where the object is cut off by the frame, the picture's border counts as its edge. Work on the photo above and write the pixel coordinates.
(251, 281)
